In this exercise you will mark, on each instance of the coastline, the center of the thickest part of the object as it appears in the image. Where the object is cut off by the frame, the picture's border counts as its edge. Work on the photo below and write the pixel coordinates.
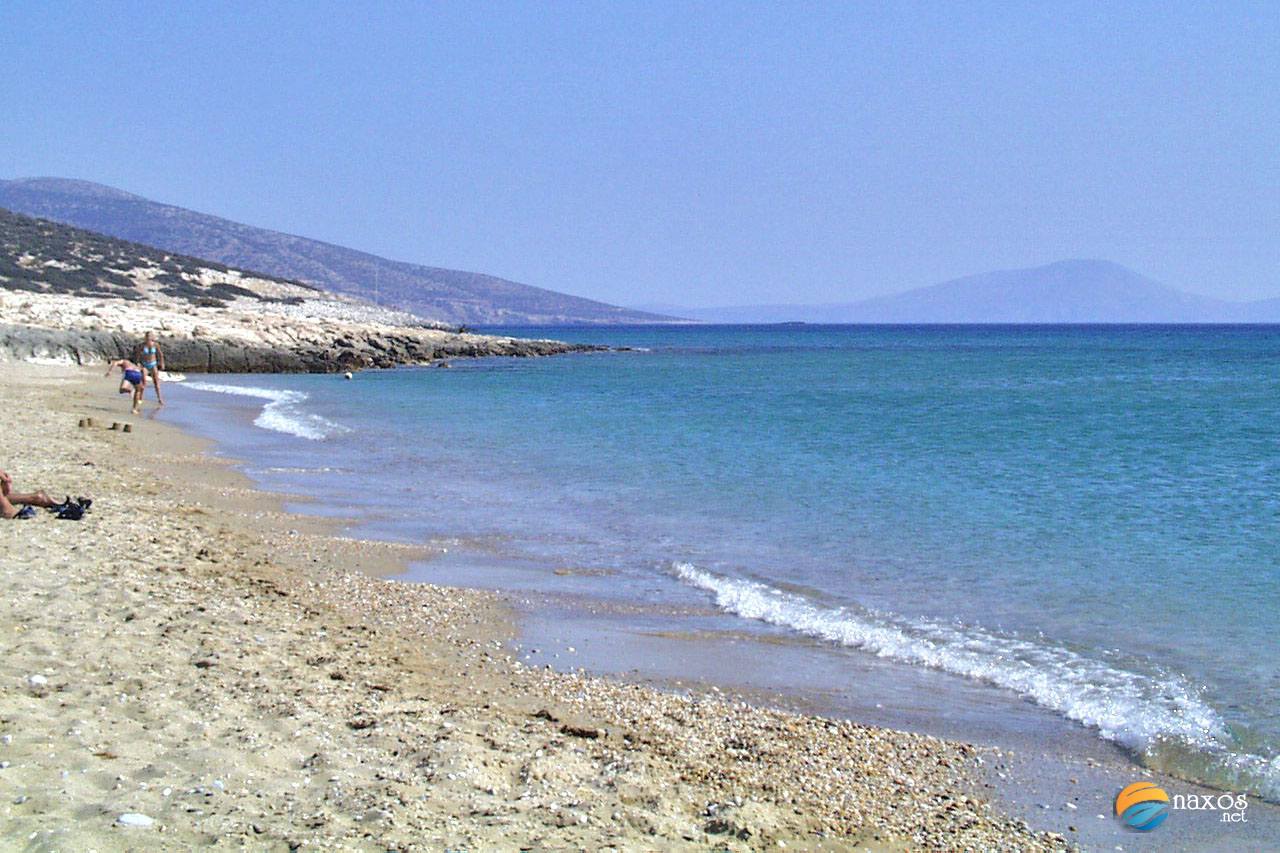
(214, 664)
(1041, 767)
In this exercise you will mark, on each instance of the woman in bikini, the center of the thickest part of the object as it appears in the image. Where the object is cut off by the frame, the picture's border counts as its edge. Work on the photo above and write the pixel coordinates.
(152, 359)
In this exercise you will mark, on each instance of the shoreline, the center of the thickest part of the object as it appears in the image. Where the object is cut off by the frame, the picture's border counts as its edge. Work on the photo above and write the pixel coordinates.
(203, 675)
(1048, 770)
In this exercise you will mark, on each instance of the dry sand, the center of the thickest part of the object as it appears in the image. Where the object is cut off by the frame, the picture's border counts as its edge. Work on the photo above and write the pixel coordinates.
(234, 676)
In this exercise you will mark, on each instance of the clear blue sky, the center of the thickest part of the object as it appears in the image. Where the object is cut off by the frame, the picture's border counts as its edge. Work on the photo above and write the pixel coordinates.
(696, 153)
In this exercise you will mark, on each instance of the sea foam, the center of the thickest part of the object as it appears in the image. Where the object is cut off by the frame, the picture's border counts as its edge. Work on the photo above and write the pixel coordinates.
(1159, 717)
(282, 412)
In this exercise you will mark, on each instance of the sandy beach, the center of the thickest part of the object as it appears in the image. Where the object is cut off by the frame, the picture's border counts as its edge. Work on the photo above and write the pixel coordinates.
(191, 665)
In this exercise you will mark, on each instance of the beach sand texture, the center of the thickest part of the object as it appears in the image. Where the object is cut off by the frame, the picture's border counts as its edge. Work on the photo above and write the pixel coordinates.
(228, 674)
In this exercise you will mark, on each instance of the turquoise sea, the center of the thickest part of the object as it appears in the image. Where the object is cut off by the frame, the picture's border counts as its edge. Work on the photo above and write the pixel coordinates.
(1083, 519)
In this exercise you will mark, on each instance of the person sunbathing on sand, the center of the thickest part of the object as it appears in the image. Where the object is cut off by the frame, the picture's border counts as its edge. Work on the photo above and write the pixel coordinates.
(132, 380)
(8, 498)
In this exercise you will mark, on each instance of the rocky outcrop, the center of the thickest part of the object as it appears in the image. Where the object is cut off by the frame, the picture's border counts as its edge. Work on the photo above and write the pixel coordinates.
(353, 350)
(77, 297)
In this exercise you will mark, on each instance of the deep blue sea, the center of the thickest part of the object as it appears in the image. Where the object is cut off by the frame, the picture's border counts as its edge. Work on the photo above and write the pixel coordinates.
(1083, 518)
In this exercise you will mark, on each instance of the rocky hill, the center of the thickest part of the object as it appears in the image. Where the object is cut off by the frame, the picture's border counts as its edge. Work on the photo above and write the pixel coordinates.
(72, 295)
(444, 295)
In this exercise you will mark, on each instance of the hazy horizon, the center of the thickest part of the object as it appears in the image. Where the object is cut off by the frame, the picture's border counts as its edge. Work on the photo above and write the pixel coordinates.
(661, 307)
(705, 157)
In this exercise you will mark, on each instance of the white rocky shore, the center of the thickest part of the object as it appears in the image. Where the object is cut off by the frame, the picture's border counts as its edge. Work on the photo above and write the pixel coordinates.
(318, 334)
(72, 296)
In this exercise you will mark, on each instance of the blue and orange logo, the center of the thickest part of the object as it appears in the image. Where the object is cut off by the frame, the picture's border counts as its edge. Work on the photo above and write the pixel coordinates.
(1142, 806)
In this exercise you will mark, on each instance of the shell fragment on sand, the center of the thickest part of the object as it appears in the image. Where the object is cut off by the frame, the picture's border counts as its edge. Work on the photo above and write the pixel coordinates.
(134, 819)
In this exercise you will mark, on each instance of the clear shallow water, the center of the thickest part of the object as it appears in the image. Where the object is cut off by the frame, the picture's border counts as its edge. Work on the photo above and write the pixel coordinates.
(1088, 518)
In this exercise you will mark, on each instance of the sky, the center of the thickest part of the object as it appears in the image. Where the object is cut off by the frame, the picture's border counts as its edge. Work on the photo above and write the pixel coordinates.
(685, 153)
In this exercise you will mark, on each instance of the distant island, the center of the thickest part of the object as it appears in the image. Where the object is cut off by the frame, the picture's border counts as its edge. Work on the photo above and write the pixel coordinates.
(443, 295)
(1071, 291)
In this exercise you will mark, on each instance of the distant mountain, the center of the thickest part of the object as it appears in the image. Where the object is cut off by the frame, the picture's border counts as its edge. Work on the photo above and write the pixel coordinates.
(1075, 291)
(440, 294)
(1064, 292)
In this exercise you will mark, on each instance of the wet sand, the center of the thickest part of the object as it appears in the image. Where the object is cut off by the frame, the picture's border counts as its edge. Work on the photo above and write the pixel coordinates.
(191, 665)
(1057, 775)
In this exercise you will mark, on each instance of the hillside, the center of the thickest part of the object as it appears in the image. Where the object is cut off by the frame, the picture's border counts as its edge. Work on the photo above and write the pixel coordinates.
(71, 295)
(449, 296)
(44, 257)
(1073, 291)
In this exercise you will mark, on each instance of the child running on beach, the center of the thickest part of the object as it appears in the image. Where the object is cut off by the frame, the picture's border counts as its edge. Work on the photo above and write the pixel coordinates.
(132, 380)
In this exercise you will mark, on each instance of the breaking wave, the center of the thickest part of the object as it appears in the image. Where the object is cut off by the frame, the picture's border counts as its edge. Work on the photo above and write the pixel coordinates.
(1161, 718)
(282, 412)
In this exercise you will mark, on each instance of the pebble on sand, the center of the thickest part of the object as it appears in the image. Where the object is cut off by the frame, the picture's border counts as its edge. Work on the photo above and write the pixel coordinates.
(135, 819)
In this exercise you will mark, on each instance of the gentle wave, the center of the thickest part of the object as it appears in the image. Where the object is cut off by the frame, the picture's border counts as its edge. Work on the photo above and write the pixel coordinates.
(1162, 719)
(282, 413)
